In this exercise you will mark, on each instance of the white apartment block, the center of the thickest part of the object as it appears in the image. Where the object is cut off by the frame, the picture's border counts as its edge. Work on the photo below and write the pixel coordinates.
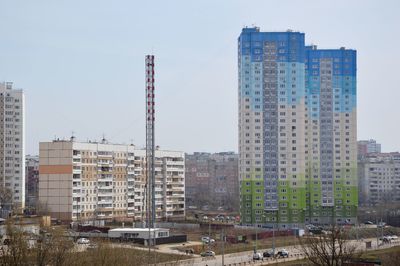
(85, 181)
(379, 178)
(12, 152)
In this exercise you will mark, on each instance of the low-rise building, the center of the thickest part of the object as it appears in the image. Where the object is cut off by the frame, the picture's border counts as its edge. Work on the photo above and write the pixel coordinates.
(212, 179)
(379, 178)
(31, 181)
(88, 180)
(365, 147)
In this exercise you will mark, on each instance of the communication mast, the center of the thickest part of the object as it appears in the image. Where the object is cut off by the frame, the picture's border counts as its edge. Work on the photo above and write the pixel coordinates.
(151, 204)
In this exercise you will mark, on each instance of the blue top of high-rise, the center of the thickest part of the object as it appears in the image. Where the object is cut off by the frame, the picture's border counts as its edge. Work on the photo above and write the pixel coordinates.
(345, 60)
(290, 45)
(254, 34)
(254, 29)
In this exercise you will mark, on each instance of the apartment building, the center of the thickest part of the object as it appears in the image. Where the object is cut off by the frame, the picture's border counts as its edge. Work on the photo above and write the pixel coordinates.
(212, 180)
(379, 179)
(331, 136)
(367, 146)
(297, 131)
(271, 127)
(80, 181)
(12, 152)
(32, 181)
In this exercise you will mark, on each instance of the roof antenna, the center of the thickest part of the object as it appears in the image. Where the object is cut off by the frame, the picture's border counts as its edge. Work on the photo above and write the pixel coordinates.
(72, 136)
(103, 140)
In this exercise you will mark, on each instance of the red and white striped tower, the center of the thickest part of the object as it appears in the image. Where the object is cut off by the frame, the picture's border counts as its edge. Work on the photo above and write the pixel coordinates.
(151, 206)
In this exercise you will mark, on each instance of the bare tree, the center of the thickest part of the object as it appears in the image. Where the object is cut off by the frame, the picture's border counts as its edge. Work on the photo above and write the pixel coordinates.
(42, 248)
(16, 252)
(390, 259)
(61, 249)
(332, 249)
(42, 208)
(5, 198)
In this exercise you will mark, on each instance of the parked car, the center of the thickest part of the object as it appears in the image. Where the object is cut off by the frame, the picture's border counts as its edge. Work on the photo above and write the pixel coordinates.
(189, 251)
(257, 256)
(207, 253)
(268, 254)
(368, 222)
(204, 238)
(92, 246)
(381, 224)
(282, 253)
(207, 240)
(83, 241)
(210, 241)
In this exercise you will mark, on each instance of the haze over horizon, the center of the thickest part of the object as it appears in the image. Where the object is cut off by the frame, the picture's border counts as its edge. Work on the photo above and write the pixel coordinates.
(81, 65)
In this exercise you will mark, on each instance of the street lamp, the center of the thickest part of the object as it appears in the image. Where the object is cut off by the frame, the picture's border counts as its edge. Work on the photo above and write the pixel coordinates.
(263, 217)
(273, 230)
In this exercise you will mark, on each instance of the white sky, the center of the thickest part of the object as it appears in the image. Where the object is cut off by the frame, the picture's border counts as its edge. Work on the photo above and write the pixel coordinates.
(81, 64)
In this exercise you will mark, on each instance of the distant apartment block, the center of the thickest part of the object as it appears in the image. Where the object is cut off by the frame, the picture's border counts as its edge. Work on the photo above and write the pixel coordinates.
(212, 179)
(367, 146)
(32, 181)
(81, 181)
(379, 179)
(12, 153)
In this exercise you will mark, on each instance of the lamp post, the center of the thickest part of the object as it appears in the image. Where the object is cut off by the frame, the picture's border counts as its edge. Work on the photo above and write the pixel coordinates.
(273, 231)
(255, 244)
(209, 233)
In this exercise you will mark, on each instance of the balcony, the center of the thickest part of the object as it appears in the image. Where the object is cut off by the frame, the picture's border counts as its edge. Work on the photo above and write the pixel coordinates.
(105, 206)
(105, 194)
(105, 178)
(76, 171)
(76, 193)
(104, 201)
(177, 189)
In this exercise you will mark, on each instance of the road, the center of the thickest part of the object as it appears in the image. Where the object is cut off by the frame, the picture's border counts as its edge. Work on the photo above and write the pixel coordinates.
(241, 257)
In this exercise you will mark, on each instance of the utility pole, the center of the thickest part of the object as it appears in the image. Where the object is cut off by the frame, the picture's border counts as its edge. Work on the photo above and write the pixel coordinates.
(209, 233)
(223, 246)
(377, 234)
(273, 231)
(255, 247)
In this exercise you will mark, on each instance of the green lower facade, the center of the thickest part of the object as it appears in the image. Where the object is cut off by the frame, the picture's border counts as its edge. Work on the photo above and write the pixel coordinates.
(302, 204)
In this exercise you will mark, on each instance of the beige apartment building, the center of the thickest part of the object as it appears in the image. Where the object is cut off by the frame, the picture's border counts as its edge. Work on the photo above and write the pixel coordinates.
(86, 181)
(12, 151)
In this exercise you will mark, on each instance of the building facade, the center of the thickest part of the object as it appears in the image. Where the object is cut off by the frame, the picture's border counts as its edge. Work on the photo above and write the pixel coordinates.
(331, 136)
(12, 141)
(379, 179)
(32, 181)
(81, 181)
(367, 146)
(296, 112)
(212, 180)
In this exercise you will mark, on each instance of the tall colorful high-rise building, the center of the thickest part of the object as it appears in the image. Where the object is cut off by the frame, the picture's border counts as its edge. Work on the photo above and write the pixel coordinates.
(331, 136)
(287, 165)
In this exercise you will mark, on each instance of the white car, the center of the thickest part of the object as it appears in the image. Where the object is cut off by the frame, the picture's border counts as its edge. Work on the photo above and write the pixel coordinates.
(207, 240)
(257, 256)
(83, 241)
(208, 253)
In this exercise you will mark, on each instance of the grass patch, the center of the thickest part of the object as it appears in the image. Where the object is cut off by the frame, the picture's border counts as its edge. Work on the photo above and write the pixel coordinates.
(120, 257)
